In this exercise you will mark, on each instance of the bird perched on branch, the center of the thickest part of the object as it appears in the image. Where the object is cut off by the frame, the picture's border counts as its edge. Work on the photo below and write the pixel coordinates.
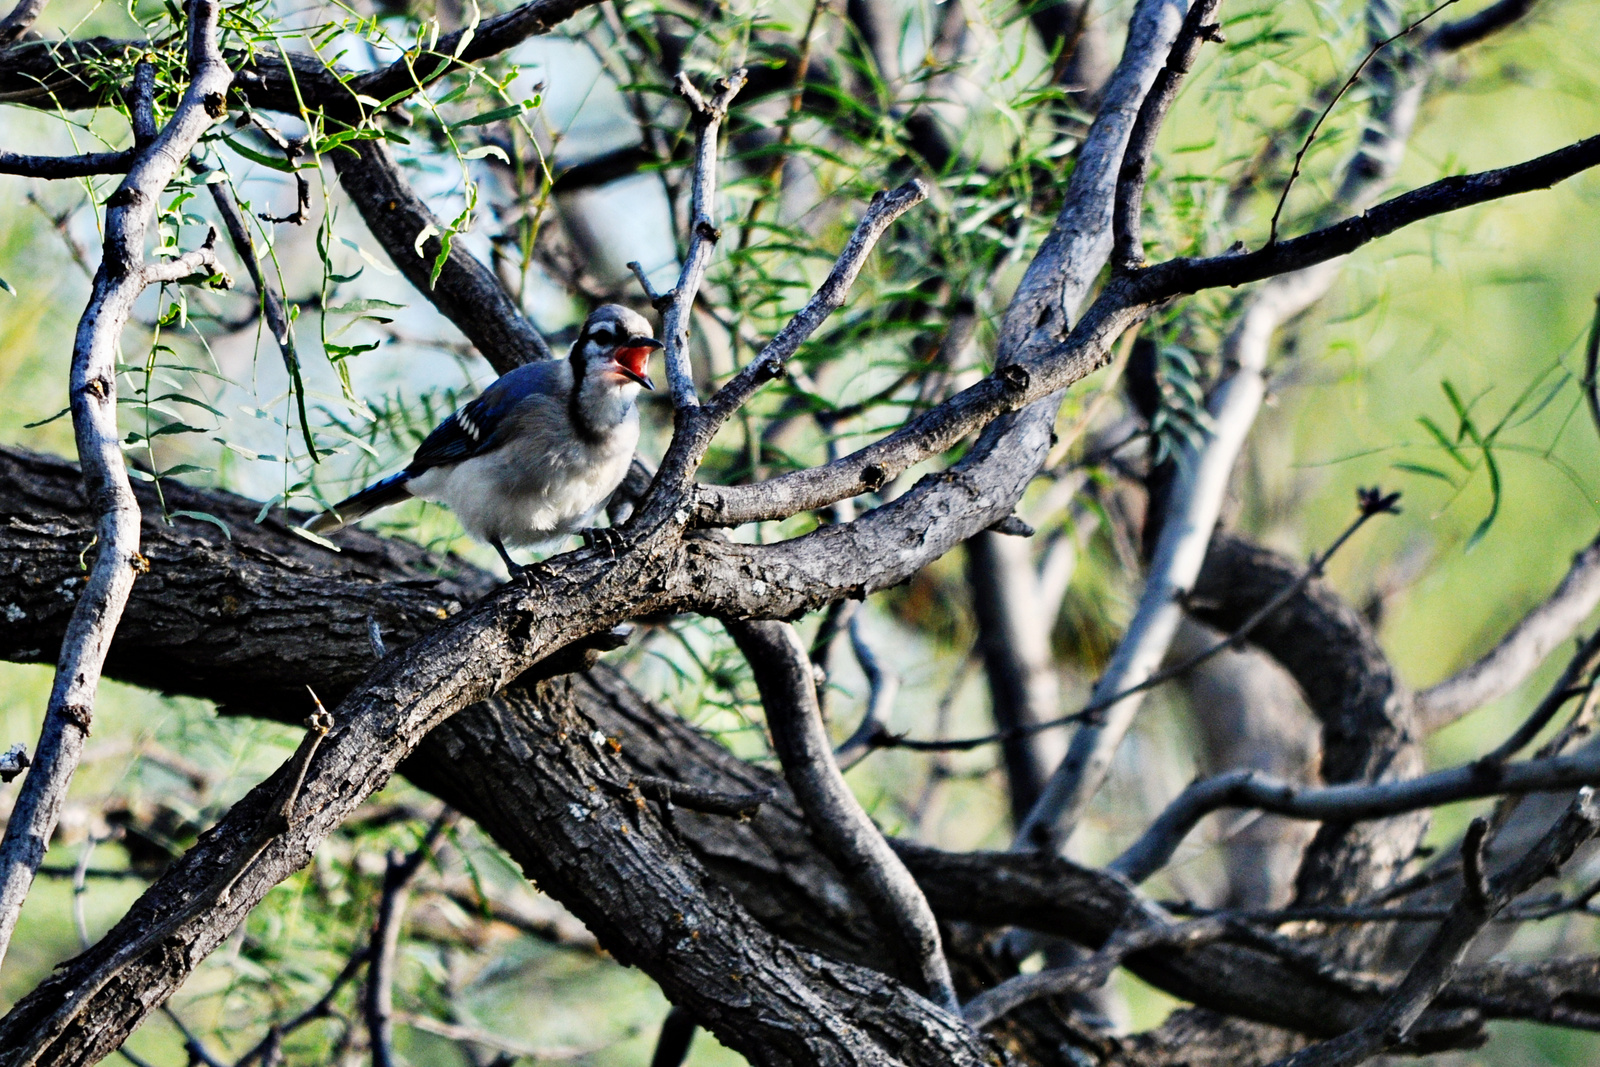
(539, 452)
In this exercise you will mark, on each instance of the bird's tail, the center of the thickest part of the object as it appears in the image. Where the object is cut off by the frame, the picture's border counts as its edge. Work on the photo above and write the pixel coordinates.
(377, 495)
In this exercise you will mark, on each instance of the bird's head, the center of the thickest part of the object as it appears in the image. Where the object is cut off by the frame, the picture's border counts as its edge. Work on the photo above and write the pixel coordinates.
(614, 347)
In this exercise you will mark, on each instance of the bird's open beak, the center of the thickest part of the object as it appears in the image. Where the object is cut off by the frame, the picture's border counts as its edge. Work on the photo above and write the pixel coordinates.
(633, 359)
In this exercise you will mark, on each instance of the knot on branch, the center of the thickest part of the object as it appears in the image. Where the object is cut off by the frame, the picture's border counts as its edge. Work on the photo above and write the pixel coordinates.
(13, 761)
(723, 91)
(1014, 378)
(873, 477)
(79, 715)
(1012, 526)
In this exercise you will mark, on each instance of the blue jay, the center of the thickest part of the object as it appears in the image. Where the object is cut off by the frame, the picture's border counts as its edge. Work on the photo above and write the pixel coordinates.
(539, 452)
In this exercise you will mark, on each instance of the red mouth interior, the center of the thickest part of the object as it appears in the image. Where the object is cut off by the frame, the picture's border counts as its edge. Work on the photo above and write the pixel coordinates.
(635, 359)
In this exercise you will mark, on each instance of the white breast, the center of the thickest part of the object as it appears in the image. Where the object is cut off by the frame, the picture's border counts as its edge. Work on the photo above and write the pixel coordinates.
(544, 482)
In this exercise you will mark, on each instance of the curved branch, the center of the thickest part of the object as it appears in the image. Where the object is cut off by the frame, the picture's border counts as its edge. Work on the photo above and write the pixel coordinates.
(1348, 803)
(1521, 650)
(782, 672)
(121, 278)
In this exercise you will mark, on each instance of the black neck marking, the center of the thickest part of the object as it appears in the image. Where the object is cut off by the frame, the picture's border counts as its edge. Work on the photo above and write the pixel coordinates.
(581, 424)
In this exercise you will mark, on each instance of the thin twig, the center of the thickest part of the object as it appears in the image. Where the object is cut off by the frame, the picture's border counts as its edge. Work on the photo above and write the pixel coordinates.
(1127, 212)
(378, 1006)
(1349, 83)
(703, 232)
(1089, 712)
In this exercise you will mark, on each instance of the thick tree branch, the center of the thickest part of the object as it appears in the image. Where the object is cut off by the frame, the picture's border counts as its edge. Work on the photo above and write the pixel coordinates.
(122, 276)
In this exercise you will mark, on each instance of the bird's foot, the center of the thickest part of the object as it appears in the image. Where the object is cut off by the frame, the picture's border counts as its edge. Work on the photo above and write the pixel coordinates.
(605, 538)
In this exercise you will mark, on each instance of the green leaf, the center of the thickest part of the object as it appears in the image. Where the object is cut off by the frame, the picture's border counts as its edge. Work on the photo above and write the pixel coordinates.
(1444, 442)
(510, 111)
(1430, 472)
(356, 307)
(204, 517)
(301, 531)
(44, 422)
(258, 157)
(184, 468)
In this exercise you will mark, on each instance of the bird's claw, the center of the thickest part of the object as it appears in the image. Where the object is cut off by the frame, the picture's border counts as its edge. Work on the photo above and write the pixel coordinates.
(605, 539)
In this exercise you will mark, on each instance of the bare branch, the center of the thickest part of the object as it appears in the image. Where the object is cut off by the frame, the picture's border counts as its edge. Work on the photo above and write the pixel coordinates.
(883, 685)
(1092, 973)
(703, 232)
(1348, 803)
(1126, 218)
(385, 943)
(1355, 75)
(22, 18)
(1428, 976)
(881, 213)
(272, 306)
(1521, 650)
(122, 277)
(66, 166)
(783, 674)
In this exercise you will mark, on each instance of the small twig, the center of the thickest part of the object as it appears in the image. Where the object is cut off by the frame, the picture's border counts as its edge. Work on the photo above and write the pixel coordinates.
(198, 1053)
(1349, 83)
(1092, 973)
(657, 300)
(262, 1052)
(703, 233)
(1585, 664)
(881, 213)
(385, 945)
(883, 685)
(677, 1034)
(22, 17)
(669, 793)
(1126, 223)
(1480, 901)
(80, 873)
(13, 761)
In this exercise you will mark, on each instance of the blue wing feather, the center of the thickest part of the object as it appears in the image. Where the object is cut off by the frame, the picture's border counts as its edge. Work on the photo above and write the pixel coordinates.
(478, 427)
